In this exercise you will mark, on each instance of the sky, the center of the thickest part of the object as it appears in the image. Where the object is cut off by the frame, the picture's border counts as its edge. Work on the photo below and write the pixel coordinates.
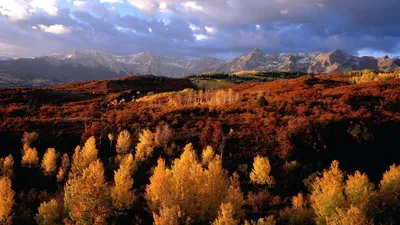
(190, 28)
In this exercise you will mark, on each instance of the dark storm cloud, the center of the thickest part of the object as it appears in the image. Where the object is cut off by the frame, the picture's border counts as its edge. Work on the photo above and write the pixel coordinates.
(233, 27)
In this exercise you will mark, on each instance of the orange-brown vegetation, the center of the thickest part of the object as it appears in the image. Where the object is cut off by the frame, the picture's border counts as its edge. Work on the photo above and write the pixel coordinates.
(251, 153)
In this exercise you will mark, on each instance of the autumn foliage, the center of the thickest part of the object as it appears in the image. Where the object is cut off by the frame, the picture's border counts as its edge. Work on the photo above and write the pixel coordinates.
(249, 153)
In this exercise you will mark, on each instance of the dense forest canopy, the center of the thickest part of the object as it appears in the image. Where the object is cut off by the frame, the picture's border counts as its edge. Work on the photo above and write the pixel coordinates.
(310, 150)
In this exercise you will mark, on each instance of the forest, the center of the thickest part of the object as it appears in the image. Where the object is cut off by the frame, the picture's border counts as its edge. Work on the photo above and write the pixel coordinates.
(313, 149)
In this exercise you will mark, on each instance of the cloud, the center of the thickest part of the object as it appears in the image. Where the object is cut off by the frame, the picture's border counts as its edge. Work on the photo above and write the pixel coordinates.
(189, 28)
(17, 10)
(48, 6)
(147, 6)
(111, 1)
(79, 4)
(55, 29)
(192, 6)
(210, 30)
(201, 37)
(14, 10)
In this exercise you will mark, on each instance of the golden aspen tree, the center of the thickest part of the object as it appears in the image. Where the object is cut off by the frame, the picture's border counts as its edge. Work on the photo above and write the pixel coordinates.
(123, 142)
(299, 213)
(201, 97)
(197, 191)
(83, 157)
(327, 194)
(215, 186)
(188, 176)
(86, 197)
(7, 166)
(352, 216)
(30, 157)
(261, 171)
(63, 170)
(298, 201)
(358, 189)
(237, 97)
(145, 146)
(111, 139)
(6, 201)
(162, 136)
(49, 213)
(49, 161)
(207, 155)
(262, 221)
(122, 192)
(167, 216)
(225, 215)
(76, 162)
(235, 196)
(231, 96)
(89, 152)
(390, 182)
(219, 97)
(159, 191)
(29, 137)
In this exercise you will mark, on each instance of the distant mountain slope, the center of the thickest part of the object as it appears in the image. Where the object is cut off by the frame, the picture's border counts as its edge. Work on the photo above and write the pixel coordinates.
(258, 60)
(317, 62)
(339, 61)
(59, 68)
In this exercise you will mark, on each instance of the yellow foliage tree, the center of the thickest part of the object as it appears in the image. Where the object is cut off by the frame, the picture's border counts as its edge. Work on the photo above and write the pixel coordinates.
(83, 157)
(262, 221)
(30, 157)
(358, 189)
(29, 137)
(207, 155)
(63, 170)
(226, 215)
(327, 194)
(123, 142)
(111, 139)
(86, 197)
(167, 216)
(49, 213)
(6, 200)
(298, 201)
(158, 193)
(390, 182)
(352, 216)
(145, 146)
(261, 171)
(235, 196)
(49, 161)
(122, 193)
(216, 183)
(196, 191)
(7, 166)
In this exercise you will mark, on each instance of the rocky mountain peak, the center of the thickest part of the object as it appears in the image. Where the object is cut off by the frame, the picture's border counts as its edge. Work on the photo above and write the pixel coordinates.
(257, 51)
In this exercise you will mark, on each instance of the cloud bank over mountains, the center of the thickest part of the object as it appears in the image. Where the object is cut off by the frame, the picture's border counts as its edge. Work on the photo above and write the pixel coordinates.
(181, 28)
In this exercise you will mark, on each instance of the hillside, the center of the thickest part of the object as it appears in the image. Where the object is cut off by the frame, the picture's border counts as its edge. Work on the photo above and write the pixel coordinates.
(136, 83)
(301, 125)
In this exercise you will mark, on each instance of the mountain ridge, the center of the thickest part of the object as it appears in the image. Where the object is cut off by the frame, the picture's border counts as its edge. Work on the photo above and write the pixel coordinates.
(55, 68)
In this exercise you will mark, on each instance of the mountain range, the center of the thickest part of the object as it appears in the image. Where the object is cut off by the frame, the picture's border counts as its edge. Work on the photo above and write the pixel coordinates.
(58, 68)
